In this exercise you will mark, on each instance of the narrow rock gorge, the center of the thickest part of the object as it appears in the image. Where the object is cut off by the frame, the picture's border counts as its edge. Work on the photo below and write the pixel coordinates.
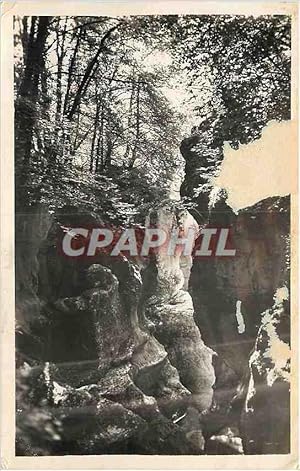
(123, 124)
(170, 355)
(242, 310)
(112, 339)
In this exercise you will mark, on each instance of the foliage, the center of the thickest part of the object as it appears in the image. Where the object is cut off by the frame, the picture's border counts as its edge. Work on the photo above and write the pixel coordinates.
(92, 107)
(247, 64)
(98, 110)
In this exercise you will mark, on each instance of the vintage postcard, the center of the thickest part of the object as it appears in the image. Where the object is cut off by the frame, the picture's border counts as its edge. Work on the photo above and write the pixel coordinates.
(149, 235)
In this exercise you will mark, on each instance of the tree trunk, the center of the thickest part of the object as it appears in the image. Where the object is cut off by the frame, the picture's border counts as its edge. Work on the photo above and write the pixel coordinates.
(71, 71)
(109, 149)
(100, 143)
(88, 73)
(138, 127)
(129, 122)
(26, 103)
(60, 53)
(96, 124)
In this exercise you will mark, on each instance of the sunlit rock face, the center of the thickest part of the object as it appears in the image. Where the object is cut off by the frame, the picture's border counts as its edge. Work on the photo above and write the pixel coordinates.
(231, 293)
(169, 311)
(268, 391)
(170, 355)
(120, 366)
(231, 296)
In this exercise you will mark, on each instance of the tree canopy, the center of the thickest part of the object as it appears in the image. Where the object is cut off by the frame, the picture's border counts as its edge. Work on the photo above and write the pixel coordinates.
(102, 99)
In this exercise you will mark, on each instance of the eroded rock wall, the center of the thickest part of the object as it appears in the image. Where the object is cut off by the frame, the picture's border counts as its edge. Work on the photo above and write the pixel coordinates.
(170, 312)
(116, 370)
(231, 296)
(161, 356)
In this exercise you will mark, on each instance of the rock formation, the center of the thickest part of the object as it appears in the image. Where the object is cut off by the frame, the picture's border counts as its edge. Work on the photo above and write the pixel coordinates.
(234, 309)
(119, 364)
(161, 356)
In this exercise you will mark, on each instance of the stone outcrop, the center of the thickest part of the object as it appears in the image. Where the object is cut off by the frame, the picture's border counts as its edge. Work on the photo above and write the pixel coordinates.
(268, 391)
(243, 285)
(103, 378)
(167, 355)
(31, 228)
(169, 312)
(233, 299)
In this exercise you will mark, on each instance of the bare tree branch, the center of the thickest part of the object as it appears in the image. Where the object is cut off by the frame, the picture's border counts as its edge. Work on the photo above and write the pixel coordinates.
(86, 78)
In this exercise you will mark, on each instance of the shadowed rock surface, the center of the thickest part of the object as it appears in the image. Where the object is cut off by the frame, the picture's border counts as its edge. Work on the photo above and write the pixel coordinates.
(231, 297)
(104, 371)
(162, 356)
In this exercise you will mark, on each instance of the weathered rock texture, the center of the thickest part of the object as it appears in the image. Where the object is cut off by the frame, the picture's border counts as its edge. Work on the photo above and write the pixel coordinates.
(231, 298)
(267, 399)
(119, 365)
(165, 356)
(170, 312)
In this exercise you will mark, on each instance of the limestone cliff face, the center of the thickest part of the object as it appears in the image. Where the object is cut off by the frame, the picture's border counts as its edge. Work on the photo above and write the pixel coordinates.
(165, 356)
(114, 369)
(244, 285)
(30, 229)
(231, 298)
(268, 390)
(169, 311)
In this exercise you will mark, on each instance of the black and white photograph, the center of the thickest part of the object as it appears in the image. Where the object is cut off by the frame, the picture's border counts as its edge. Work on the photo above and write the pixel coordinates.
(154, 166)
